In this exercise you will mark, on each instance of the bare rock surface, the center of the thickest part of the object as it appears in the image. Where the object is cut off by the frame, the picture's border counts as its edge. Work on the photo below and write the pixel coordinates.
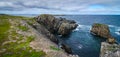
(43, 42)
(102, 30)
(110, 50)
(56, 25)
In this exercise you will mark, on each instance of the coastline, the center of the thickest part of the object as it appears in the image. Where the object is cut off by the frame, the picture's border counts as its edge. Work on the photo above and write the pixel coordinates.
(43, 40)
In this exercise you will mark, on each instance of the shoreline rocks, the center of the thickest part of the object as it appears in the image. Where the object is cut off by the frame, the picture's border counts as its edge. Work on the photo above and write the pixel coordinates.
(67, 48)
(50, 26)
(109, 50)
(41, 29)
(56, 25)
(103, 31)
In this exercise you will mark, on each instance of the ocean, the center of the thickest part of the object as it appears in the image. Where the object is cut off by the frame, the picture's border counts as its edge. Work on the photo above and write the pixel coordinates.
(81, 41)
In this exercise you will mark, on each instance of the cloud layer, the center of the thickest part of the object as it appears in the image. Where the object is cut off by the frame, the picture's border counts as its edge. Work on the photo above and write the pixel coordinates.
(60, 6)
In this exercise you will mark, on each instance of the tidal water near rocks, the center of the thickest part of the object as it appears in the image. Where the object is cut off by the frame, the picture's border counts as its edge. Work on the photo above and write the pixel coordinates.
(81, 41)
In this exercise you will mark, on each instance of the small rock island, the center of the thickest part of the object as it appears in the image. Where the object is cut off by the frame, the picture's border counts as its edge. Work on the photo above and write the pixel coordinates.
(103, 31)
(108, 48)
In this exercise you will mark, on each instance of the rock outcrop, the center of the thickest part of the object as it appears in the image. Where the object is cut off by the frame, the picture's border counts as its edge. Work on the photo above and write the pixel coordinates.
(66, 48)
(56, 25)
(41, 29)
(49, 25)
(111, 40)
(103, 31)
(109, 50)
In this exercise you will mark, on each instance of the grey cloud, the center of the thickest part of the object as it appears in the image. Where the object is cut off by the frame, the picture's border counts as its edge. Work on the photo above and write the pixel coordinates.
(59, 5)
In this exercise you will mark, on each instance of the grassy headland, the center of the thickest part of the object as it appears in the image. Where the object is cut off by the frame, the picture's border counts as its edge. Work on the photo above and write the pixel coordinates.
(15, 37)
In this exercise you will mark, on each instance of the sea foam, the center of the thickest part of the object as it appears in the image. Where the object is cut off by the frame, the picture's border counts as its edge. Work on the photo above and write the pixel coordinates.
(115, 29)
(83, 28)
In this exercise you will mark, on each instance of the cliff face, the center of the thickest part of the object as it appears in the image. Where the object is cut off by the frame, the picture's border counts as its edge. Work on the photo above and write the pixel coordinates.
(56, 25)
(49, 26)
(110, 50)
(45, 41)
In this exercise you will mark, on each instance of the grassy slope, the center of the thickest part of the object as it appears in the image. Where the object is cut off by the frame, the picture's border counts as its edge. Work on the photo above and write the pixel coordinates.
(12, 43)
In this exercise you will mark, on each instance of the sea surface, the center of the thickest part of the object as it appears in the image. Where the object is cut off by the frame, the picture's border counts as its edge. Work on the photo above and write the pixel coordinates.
(81, 41)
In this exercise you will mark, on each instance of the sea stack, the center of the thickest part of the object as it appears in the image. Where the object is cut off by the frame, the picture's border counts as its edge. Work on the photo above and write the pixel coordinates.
(103, 31)
(56, 25)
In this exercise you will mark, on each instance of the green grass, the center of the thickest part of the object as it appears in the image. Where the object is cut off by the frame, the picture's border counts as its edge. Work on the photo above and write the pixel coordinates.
(54, 48)
(30, 38)
(97, 24)
(4, 27)
(15, 49)
(21, 50)
(23, 28)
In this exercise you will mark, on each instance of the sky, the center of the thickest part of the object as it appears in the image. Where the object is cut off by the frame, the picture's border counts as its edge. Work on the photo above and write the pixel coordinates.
(60, 7)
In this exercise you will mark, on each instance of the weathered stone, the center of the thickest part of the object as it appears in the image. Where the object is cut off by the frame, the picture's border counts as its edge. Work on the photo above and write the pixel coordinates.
(109, 50)
(66, 48)
(101, 30)
(111, 40)
(56, 25)
(41, 29)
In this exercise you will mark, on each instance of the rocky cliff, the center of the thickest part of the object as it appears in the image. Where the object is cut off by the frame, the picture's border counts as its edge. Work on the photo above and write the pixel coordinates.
(102, 30)
(56, 25)
(51, 26)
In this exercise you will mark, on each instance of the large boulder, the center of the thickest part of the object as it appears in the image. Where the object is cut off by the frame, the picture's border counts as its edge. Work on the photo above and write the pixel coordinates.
(111, 40)
(101, 30)
(56, 25)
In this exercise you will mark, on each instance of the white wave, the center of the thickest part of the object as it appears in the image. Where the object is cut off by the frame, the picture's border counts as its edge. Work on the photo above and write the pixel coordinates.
(117, 33)
(77, 29)
(118, 29)
(115, 29)
(111, 26)
(80, 46)
(83, 27)
(87, 28)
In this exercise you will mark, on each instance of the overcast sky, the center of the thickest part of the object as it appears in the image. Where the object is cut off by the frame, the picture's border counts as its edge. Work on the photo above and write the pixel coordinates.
(60, 6)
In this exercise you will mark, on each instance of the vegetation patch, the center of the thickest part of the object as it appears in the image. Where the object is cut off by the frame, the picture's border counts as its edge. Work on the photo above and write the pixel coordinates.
(4, 27)
(12, 43)
(97, 24)
(23, 28)
(54, 48)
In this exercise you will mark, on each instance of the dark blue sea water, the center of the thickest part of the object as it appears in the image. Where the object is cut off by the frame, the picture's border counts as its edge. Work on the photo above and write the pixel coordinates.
(81, 41)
